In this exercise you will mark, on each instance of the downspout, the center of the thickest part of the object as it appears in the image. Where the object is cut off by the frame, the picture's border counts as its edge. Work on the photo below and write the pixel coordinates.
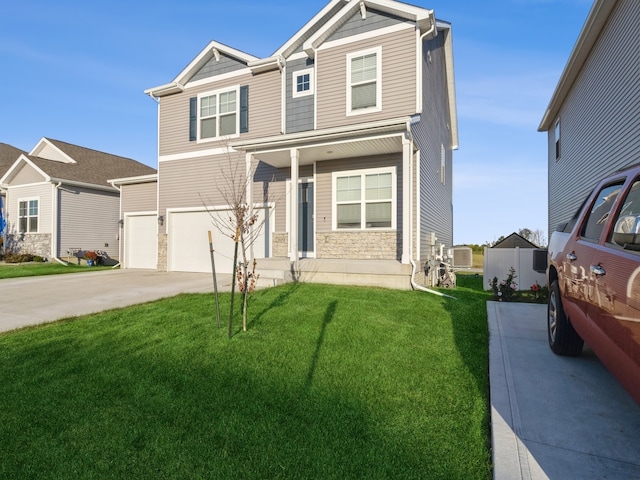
(54, 230)
(119, 226)
(415, 286)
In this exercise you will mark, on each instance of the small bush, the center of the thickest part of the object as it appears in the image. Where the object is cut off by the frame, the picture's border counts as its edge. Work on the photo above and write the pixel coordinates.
(507, 289)
(19, 257)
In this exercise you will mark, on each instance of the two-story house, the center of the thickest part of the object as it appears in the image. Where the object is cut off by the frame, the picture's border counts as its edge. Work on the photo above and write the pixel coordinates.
(593, 119)
(345, 133)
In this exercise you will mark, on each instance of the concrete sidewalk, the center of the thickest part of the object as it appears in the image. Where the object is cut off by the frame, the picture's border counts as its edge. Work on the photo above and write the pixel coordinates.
(555, 417)
(33, 300)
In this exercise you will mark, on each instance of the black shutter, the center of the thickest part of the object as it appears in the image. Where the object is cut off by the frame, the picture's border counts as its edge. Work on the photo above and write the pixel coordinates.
(193, 119)
(244, 109)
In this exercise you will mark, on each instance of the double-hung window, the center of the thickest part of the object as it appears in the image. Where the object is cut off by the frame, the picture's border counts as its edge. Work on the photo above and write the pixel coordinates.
(28, 216)
(364, 82)
(218, 114)
(303, 83)
(364, 199)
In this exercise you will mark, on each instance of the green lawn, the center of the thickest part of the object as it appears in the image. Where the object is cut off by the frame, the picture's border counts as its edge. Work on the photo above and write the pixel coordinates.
(329, 382)
(15, 270)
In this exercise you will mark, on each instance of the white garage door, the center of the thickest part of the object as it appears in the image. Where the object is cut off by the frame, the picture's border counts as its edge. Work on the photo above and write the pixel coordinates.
(188, 243)
(141, 248)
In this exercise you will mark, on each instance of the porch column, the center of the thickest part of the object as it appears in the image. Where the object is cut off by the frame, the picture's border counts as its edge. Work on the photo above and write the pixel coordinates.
(406, 199)
(293, 207)
(249, 178)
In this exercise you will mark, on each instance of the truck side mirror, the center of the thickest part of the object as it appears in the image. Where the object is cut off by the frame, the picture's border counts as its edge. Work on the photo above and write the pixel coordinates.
(626, 232)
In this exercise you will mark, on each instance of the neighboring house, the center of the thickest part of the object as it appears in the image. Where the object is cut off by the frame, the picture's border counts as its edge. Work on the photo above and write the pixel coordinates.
(593, 118)
(59, 201)
(346, 133)
(515, 240)
(8, 155)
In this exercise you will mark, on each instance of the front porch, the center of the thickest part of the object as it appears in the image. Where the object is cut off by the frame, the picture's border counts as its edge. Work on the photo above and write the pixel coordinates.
(373, 273)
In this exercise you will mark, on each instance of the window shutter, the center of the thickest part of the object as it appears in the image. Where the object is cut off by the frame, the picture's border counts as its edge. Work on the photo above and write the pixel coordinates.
(193, 119)
(244, 109)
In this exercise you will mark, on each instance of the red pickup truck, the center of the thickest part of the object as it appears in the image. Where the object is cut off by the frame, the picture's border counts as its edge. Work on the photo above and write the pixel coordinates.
(594, 279)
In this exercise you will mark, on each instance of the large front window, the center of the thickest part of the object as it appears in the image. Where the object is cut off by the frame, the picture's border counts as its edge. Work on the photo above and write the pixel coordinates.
(364, 200)
(28, 216)
(218, 114)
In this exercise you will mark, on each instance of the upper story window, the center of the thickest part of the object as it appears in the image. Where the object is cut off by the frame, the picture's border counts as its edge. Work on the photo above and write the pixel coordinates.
(303, 83)
(28, 216)
(556, 136)
(364, 199)
(218, 114)
(364, 90)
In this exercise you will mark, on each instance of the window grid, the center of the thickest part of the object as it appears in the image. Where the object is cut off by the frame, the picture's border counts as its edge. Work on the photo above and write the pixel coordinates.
(374, 210)
(218, 115)
(28, 216)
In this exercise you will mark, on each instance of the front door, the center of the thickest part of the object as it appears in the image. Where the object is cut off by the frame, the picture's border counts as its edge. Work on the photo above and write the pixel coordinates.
(305, 219)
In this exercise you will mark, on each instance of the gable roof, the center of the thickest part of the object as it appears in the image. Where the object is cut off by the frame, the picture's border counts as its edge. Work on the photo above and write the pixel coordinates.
(515, 240)
(596, 20)
(82, 165)
(8, 155)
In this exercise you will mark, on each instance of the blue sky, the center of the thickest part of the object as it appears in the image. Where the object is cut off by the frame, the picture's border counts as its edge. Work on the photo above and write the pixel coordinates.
(76, 70)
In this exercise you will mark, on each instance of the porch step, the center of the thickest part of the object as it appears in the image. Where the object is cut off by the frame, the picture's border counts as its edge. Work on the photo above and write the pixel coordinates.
(375, 273)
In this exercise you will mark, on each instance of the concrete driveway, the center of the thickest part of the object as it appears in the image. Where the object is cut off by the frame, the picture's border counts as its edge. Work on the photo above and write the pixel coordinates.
(555, 417)
(33, 300)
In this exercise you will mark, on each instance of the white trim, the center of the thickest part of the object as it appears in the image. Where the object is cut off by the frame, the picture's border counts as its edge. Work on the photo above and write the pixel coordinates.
(297, 56)
(363, 202)
(14, 170)
(349, 59)
(130, 180)
(28, 199)
(202, 153)
(418, 225)
(218, 78)
(218, 114)
(365, 36)
(44, 142)
(294, 82)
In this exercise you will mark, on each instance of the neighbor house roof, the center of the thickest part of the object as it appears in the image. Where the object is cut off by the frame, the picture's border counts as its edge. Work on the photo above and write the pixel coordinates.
(66, 162)
(591, 30)
(8, 155)
(514, 240)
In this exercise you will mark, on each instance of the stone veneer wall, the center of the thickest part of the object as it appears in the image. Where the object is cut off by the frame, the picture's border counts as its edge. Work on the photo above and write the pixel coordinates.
(36, 244)
(359, 245)
(280, 245)
(162, 252)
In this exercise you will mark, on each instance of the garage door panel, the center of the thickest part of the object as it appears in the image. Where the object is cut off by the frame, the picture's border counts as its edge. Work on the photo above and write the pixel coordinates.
(188, 243)
(141, 248)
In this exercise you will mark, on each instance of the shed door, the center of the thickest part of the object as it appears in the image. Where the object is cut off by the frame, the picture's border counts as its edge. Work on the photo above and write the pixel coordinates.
(141, 248)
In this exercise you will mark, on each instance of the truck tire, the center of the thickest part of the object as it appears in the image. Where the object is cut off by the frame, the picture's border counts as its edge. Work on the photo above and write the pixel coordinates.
(563, 339)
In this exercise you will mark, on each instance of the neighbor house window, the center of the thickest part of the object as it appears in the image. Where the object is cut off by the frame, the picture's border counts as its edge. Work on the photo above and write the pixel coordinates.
(303, 83)
(557, 138)
(363, 82)
(364, 199)
(28, 216)
(218, 114)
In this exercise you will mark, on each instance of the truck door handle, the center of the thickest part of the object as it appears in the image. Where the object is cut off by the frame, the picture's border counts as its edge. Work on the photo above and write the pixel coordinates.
(597, 270)
(571, 257)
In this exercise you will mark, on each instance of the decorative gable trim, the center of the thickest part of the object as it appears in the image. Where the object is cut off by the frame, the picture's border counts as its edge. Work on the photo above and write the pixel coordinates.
(46, 149)
(423, 18)
(17, 166)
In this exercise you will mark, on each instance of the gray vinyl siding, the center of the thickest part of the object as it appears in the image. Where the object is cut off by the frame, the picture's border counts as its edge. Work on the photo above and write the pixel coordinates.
(398, 79)
(324, 186)
(600, 118)
(300, 110)
(27, 175)
(265, 112)
(43, 192)
(88, 220)
(436, 208)
(374, 21)
(213, 67)
(140, 197)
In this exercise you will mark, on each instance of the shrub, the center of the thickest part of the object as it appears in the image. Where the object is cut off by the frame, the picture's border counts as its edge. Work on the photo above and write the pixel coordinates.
(507, 289)
(17, 257)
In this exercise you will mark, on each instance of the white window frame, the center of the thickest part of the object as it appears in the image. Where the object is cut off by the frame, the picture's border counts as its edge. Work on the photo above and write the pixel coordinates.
(218, 92)
(378, 106)
(28, 217)
(363, 202)
(294, 85)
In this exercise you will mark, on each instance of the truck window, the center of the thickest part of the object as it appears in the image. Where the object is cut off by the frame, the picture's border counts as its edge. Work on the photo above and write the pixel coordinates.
(629, 210)
(600, 211)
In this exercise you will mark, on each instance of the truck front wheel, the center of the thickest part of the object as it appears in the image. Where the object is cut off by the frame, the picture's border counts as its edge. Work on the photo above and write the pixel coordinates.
(563, 339)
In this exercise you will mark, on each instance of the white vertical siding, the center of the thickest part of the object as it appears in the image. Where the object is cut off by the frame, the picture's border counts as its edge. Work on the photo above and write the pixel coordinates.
(600, 118)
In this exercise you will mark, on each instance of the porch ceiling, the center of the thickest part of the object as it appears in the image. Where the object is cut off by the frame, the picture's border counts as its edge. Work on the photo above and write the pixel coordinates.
(332, 150)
